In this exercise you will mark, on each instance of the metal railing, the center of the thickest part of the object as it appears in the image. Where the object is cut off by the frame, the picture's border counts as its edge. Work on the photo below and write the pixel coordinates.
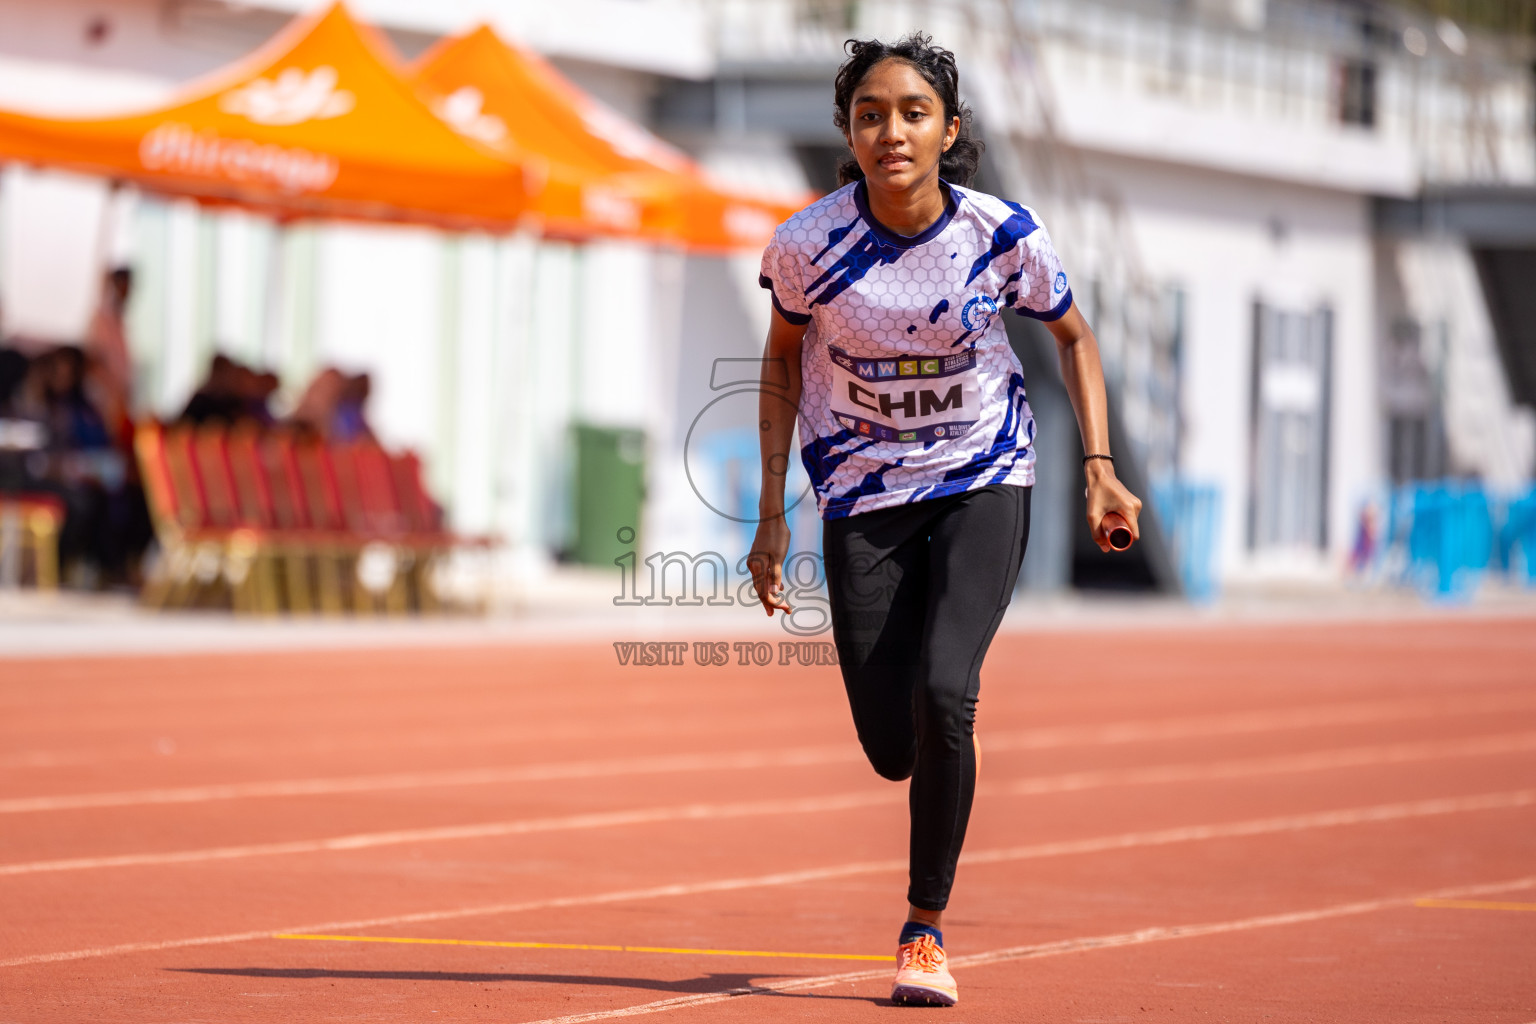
(1462, 104)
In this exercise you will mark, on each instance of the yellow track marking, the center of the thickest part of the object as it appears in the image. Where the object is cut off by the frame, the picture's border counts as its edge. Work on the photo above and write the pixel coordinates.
(1473, 905)
(584, 946)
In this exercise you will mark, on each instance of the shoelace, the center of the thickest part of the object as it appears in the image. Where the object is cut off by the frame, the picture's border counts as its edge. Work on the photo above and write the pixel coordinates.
(923, 954)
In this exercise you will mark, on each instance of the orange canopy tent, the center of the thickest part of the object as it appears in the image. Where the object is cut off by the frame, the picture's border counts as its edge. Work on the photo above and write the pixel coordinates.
(317, 123)
(508, 97)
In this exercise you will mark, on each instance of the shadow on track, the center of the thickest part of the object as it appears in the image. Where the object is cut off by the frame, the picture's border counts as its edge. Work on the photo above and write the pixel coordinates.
(708, 984)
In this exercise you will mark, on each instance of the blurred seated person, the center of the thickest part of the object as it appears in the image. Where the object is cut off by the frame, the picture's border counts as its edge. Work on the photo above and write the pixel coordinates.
(333, 407)
(218, 396)
(316, 410)
(231, 394)
(17, 436)
(257, 389)
(351, 420)
(54, 395)
(13, 371)
(106, 524)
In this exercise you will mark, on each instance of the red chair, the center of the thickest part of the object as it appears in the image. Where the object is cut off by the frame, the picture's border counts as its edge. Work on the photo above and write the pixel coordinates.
(201, 540)
(186, 485)
(280, 470)
(322, 500)
(253, 497)
(159, 491)
(248, 564)
(221, 505)
(304, 468)
(422, 515)
(349, 496)
(269, 513)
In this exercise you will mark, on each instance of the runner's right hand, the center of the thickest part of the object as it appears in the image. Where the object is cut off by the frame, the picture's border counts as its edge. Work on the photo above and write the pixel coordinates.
(766, 561)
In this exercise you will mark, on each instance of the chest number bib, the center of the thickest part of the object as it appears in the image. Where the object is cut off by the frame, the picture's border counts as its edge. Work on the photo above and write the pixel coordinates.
(908, 399)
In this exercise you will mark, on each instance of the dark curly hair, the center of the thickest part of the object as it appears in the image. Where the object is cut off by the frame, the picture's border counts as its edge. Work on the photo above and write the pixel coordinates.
(937, 66)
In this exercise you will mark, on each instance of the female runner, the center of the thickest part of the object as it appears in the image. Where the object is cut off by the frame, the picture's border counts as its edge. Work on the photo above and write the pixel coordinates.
(917, 438)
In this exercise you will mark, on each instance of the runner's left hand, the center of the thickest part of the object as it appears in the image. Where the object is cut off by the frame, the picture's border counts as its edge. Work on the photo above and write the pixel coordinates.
(1106, 493)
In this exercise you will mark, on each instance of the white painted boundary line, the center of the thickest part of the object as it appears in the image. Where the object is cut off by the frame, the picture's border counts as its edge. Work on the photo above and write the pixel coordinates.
(75, 631)
(1073, 782)
(525, 826)
(1320, 760)
(419, 780)
(1243, 723)
(1136, 938)
(1108, 734)
(1124, 841)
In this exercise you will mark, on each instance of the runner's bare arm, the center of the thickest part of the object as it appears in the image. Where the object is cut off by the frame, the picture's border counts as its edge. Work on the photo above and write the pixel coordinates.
(777, 401)
(1083, 374)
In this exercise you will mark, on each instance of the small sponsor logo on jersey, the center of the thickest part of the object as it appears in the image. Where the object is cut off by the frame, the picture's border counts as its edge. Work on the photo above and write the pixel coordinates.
(930, 366)
(863, 428)
(887, 369)
(907, 435)
(978, 312)
(938, 431)
(866, 370)
(1061, 282)
(908, 367)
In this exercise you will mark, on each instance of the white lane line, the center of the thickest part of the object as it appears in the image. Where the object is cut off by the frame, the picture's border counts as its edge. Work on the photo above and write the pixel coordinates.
(466, 777)
(1252, 722)
(524, 826)
(1109, 734)
(1258, 826)
(1122, 841)
(1320, 760)
(1200, 771)
(1139, 937)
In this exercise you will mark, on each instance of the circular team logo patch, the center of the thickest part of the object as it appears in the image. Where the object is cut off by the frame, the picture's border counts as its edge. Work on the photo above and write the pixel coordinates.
(978, 312)
(1061, 283)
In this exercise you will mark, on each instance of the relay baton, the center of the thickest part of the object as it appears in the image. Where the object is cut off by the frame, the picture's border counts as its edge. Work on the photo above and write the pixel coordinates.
(1116, 530)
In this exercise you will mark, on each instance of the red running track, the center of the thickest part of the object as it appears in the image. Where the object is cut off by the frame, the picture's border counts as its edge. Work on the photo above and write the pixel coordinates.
(1244, 824)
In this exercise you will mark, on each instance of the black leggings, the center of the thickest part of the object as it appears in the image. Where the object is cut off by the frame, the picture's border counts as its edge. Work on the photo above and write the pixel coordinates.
(917, 592)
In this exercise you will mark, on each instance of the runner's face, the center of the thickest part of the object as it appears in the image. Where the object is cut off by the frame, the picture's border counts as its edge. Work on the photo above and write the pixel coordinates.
(896, 127)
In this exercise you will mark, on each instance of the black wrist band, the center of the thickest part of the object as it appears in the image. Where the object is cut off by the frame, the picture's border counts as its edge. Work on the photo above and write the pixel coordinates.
(1106, 458)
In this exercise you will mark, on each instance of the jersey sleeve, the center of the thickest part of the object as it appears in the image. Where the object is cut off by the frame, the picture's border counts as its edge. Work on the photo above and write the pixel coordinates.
(1040, 290)
(781, 274)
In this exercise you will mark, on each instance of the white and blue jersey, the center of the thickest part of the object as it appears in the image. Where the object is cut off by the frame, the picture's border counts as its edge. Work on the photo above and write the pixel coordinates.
(910, 389)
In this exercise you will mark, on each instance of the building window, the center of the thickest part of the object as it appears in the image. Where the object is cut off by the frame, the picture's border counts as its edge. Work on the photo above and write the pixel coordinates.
(1412, 448)
(1411, 399)
(1288, 495)
(1357, 93)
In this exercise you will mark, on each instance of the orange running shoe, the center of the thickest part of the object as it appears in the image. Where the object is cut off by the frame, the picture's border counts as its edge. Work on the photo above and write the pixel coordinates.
(922, 977)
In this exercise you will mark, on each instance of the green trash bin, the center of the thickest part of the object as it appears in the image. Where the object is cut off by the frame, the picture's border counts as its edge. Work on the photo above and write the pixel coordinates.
(610, 487)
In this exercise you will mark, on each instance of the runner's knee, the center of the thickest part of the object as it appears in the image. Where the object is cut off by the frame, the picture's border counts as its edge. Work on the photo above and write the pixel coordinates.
(946, 714)
(890, 760)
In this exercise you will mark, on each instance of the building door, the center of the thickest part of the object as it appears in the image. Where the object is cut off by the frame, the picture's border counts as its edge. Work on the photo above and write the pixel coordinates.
(1291, 390)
